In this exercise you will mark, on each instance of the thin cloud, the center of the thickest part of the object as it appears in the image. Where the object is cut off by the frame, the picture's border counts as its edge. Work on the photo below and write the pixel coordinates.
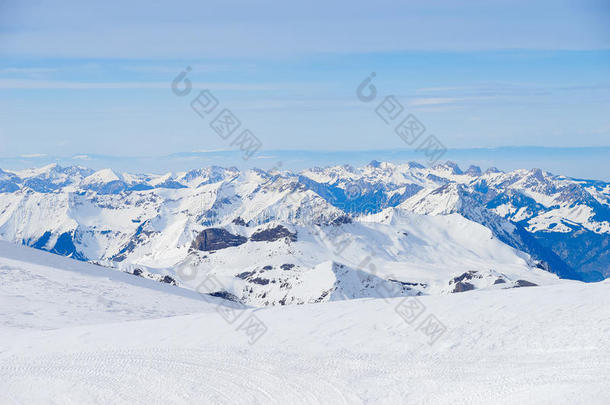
(73, 85)
(433, 101)
(27, 70)
(33, 155)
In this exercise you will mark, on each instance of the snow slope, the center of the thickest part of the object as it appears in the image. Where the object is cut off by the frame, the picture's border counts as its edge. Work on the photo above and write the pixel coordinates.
(39, 290)
(91, 338)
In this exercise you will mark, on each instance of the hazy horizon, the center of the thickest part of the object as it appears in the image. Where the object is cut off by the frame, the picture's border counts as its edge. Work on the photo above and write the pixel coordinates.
(582, 162)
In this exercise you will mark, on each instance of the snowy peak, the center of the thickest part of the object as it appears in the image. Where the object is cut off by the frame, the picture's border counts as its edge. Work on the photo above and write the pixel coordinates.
(153, 219)
(446, 199)
(101, 177)
(474, 171)
(449, 167)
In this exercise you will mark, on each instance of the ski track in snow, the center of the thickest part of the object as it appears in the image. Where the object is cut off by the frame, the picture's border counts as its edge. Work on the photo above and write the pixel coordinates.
(174, 376)
(146, 376)
(165, 345)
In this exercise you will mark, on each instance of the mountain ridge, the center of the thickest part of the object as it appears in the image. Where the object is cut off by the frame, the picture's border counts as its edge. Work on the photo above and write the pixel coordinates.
(150, 221)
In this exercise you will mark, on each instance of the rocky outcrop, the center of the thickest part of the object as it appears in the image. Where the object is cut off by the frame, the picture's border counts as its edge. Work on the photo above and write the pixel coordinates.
(469, 275)
(341, 219)
(216, 239)
(239, 221)
(141, 236)
(524, 283)
(273, 234)
(168, 280)
(225, 295)
(462, 286)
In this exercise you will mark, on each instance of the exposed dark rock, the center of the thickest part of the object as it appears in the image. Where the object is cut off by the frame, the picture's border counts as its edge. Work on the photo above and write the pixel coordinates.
(287, 266)
(216, 239)
(462, 286)
(168, 280)
(322, 296)
(225, 295)
(239, 221)
(245, 274)
(268, 267)
(137, 272)
(469, 275)
(273, 234)
(524, 283)
(261, 281)
(342, 219)
(500, 281)
(407, 283)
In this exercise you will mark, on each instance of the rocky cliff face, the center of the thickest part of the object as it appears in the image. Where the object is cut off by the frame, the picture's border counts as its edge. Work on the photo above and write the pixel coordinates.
(215, 239)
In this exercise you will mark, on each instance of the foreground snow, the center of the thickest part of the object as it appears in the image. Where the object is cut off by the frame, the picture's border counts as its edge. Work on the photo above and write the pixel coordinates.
(73, 333)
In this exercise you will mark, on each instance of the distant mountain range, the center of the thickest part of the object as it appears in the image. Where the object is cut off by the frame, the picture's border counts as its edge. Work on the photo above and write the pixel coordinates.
(280, 237)
(580, 162)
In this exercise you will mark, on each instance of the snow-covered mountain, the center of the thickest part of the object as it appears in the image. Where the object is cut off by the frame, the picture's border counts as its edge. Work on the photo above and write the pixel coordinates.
(322, 234)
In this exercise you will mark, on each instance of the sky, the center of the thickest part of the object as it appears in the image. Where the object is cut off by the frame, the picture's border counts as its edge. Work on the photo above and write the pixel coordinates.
(79, 78)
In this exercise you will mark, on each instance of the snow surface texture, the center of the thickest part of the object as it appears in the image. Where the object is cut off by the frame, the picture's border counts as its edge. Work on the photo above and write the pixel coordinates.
(74, 333)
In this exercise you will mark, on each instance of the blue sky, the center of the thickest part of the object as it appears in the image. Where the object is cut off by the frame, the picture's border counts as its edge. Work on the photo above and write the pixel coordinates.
(80, 78)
